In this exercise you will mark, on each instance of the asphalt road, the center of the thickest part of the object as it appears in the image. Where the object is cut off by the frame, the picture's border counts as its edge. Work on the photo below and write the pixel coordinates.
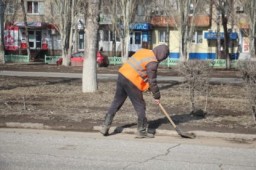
(109, 76)
(52, 150)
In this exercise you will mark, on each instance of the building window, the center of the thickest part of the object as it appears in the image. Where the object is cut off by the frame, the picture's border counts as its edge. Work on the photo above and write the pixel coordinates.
(81, 40)
(197, 37)
(140, 10)
(131, 38)
(163, 36)
(137, 37)
(32, 7)
(35, 38)
(105, 35)
(35, 7)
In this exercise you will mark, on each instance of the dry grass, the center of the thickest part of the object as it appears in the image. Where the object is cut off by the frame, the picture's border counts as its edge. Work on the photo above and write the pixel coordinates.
(47, 98)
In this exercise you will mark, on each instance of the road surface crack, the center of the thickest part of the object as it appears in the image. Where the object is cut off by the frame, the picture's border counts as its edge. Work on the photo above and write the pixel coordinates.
(154, 157)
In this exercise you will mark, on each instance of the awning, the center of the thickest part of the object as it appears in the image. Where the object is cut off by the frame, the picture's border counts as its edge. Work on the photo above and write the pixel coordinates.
(32, 24)
(164, 21)
(213, 35)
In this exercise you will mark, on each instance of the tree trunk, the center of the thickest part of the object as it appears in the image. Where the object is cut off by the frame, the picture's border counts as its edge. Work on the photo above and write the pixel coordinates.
(125, 45)
(218, 45)
(181, 12)
(63, 25)
(71, 32)
(64, 48)
(2, 32)
(226, 41)
(26, 26)
(126, 32)
(89, 78)
(252, 31)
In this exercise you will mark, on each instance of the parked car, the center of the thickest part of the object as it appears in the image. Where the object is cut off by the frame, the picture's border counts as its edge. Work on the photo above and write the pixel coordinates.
(75, 57)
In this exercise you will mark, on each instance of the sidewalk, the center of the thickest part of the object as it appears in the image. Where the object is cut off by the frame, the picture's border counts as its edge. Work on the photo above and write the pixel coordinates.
(215, 80)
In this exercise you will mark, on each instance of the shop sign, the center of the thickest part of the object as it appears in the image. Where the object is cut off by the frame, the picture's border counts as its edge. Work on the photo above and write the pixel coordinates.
(218, 63)
(30, 24)
(141, 26)
(11, 38)
(214, 35)
(246, 45)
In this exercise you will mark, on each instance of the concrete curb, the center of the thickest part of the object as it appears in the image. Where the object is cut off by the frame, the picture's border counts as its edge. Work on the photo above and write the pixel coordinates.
(159, 132)
(29, 125)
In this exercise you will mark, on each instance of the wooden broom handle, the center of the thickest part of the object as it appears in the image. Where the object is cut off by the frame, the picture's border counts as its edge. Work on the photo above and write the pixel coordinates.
(167, 115)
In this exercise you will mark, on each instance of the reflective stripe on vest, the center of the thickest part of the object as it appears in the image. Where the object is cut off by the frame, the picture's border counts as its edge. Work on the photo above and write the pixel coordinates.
(135, 68)
(137, 65)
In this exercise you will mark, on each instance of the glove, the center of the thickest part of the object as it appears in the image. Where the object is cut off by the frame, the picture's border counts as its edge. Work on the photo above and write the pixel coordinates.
(157, 101)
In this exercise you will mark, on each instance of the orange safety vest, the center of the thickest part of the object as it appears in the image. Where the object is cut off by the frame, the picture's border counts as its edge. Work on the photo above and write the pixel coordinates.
(135, 68)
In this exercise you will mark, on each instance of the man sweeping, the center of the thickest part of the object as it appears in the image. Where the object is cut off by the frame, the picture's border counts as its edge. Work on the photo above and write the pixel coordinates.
(135, 76)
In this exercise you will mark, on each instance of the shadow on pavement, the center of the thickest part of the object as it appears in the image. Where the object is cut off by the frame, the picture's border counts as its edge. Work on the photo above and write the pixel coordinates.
(120, 129)
(155, 124)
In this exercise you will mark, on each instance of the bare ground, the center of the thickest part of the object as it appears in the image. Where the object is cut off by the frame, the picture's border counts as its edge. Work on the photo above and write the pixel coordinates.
(59, 102)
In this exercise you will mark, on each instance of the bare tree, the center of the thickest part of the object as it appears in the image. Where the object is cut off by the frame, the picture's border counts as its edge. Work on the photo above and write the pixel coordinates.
(91, 17)
(65, 15)
(126, 9)
(248, 71)
(188, 10)
(248, 68)
(250, 10)
(183, 27)
(26, 25)
(196, 74)
(226, 16)
(61, 18)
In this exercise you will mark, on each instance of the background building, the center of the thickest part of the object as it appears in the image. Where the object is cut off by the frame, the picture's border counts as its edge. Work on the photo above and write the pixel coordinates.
(153, 23)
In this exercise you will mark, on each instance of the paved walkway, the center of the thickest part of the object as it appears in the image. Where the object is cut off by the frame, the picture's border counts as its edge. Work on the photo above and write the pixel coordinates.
(109, 76)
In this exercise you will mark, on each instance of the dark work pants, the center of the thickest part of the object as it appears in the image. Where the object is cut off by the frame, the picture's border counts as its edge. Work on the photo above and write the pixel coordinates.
(124, 89)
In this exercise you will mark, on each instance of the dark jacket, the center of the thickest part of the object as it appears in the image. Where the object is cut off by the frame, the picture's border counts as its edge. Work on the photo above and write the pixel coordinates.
(161, 52)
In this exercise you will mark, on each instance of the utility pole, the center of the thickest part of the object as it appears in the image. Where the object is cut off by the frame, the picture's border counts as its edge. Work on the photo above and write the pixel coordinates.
(2, 9)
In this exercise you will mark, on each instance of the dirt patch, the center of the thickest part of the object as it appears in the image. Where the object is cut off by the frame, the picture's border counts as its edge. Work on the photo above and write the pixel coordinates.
(58, 102)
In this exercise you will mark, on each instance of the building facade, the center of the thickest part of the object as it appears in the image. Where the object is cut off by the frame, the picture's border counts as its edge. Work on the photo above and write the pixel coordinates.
(153, 23)
(43, 37)
(159, 23)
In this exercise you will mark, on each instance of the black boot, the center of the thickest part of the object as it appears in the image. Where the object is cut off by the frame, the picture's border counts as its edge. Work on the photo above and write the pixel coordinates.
(106, 125)
(142, 129)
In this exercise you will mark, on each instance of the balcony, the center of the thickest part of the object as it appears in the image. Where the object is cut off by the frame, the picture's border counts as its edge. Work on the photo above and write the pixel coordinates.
(200, 21)
(163, 21)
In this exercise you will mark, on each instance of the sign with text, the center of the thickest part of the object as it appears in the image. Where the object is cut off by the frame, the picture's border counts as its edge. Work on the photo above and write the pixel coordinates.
(11, 38)
(214, 35)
